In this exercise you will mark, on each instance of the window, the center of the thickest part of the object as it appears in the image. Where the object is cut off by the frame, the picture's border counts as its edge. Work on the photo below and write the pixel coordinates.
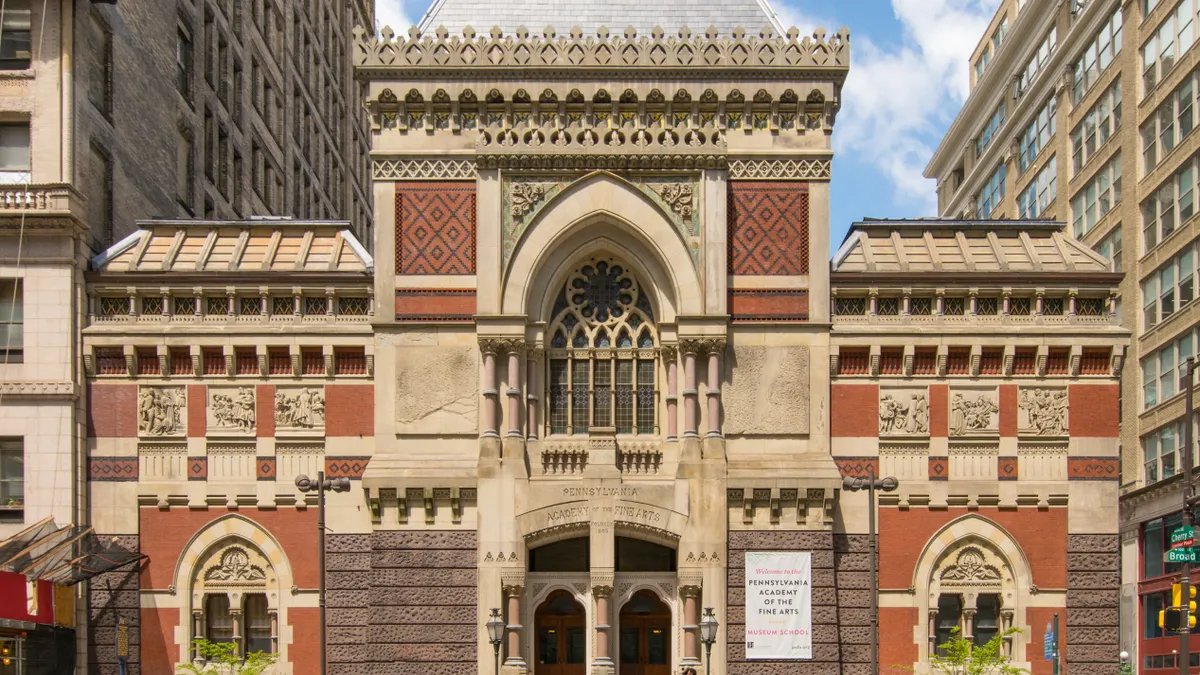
(183, 63)
(185, 171)
(920, 306)
(849, 306)
(99, 193)
(1161, 369)
(1110, 248)
(1172, 122)
(1000, 34)
(602, 357)
(12, 320)
(887, 306)
(949, 617)
(1098, 126)
(1171, 286)
(982, 63)
(258, 624)
(1037, 135)
(987, 618)
(954, 306)
(1171, 205)
(993, 191)
(1097, 57)
(987, 306)
(990, 131)
(218, 624)
(14, 153)
(100, 90)
(12, 479)
(1036, 198)
(1174, 36)
(1097, 197)
(1036, 62)
(16, 40)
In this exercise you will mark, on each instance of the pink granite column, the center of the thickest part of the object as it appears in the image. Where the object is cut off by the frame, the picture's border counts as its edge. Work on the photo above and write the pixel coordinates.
(671, 356)
(715, 347)
(532, 387)
(691, 625)
(690, 404)
(513, 657)
(516, 349)
(490, 394)
(603, 625)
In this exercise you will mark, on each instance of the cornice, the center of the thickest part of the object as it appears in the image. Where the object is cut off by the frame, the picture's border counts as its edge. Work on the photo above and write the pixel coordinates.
(49, 388)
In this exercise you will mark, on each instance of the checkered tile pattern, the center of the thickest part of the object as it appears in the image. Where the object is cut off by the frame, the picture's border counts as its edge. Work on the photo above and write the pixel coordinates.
(113, 469)
(435, 228)
(768, 228)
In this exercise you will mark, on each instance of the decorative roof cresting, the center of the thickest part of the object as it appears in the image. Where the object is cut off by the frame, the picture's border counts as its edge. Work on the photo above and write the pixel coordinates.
(657, 51)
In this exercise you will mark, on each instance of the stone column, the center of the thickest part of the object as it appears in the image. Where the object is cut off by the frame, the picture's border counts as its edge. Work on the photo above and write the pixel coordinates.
(490, 394)
(1006, 622)
(235, 615)
(690, 404)
(197, 632)
(691, 625)
(516, 349)
(603, 662)
(532, 387)
(513, 654)
(715, 347)
(969, 623)
(671, 357)
(933, 615)
(273, 618)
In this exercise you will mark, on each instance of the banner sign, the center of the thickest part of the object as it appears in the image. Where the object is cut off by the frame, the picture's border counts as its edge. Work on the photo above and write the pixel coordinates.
(779, 605)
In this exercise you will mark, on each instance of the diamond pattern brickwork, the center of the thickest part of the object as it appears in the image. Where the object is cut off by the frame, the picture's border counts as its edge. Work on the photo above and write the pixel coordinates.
(768, 228)
(435, 227)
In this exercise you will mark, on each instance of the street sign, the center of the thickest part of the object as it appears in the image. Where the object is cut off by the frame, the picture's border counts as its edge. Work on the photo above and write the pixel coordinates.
(1182, 555)
(1182, 534)
(1048, 641)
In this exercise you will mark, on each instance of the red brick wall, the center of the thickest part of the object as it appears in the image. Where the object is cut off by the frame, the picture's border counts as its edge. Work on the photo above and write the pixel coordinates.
(197, 410)
(159, 650)
(112, 410)
(1041, 534)
(896, 644)
(854, 410)
(165, 534)
(939, 406)
(435, 227)
(768, 227)
(264, 410)
(1035, 622)
(304, 652)
(350, 410)
(768, 305)
(1093, 410)
(1008, 410)
(414, 304)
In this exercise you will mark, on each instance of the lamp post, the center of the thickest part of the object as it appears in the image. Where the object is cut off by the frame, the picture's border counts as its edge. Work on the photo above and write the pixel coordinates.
(1189, 500)
(871, 484)
(320, 486)
(495, 629)
(708, 635)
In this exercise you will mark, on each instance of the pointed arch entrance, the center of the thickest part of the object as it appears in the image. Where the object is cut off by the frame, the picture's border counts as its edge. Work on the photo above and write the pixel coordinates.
(560, 636)
(645, 636)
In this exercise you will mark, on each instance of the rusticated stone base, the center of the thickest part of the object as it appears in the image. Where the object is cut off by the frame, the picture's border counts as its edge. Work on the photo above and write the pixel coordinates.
(826, 600)
(402, 602)
(111, 597)
(852, 564)
(1093, 603)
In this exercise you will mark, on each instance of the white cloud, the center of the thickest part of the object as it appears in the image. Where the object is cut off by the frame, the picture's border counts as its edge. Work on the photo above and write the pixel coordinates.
(391, 13)
(902, 94)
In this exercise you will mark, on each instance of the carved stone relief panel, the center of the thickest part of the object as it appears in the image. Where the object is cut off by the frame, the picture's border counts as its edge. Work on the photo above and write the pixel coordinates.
(767, 390)
(903, 411)
(974, 412)
(162, 411)
(231, 410)
(300, 409)
(437, 389)
(1042, 411)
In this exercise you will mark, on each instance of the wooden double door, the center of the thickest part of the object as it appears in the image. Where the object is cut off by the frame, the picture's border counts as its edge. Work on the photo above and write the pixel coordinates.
(644, 645)
(560, 632)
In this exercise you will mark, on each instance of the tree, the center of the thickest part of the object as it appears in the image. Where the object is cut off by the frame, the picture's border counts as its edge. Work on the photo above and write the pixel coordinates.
(220, 658)
(1126, 669)
(960, 656)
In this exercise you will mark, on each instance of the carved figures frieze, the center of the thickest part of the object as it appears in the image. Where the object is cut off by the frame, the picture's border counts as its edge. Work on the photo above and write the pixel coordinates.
(903, 412)
(162, 411)
(300, 409)
(974, 413)
(231, 410)
(1042, 411)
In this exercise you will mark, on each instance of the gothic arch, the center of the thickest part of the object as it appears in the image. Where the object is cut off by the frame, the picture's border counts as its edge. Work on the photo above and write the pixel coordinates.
(593, 214)
(960, 531)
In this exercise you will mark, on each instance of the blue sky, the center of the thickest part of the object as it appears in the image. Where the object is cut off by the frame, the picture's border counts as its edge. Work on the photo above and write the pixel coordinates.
(908, 78)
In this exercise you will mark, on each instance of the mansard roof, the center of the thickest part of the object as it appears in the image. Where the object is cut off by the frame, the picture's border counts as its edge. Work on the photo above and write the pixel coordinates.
(937, 245)
(268, 245)
(616, 15)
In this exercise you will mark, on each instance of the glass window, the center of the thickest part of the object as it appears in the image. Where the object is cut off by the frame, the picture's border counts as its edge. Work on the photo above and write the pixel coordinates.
(217, 620)
(1153, 545)
(1096, 57)
(183, 63)
(258, 624)
(948, 618)
(12, 479)
(987, 615)
(12, 321)
(1150, 382)
(16, 41)
(14, 153)
(1152, 604)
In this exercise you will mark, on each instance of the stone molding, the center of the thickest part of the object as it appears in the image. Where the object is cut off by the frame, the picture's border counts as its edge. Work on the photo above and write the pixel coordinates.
(764, 54)
(781, 169)
(39, 388)
(423, 169)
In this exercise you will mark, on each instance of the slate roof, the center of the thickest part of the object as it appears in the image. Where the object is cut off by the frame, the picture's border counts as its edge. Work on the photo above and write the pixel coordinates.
(237, 246)
(616, 15)
(938, 245)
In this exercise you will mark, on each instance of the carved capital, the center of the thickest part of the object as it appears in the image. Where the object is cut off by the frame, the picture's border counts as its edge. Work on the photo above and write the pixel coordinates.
(669, 352)
(535, 352)
(602, 591)
(514, 345)
(714, 345)
(689, 591)
(491, 346)
(691, 346)
(513, 589)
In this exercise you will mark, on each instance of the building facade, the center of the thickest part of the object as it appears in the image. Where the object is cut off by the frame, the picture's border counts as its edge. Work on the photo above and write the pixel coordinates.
(1083, 112)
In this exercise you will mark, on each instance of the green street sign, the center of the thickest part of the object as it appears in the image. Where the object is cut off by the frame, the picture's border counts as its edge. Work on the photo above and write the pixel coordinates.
(1181, 534)
(1182, 555)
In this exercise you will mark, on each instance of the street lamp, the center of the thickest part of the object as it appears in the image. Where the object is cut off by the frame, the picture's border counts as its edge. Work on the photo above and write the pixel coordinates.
(495, 628)
(871, 484)
(320, 486)
(708, 635)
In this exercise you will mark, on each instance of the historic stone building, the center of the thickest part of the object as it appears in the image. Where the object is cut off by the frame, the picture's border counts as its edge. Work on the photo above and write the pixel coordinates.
(599, 367)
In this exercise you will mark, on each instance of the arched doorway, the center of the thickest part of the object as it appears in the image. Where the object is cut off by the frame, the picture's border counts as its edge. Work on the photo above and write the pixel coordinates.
(645, 646)
(560, 635)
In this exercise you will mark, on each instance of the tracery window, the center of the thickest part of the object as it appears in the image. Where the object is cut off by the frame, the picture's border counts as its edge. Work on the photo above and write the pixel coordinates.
(231, 602)
(966, 593)
(602, 361)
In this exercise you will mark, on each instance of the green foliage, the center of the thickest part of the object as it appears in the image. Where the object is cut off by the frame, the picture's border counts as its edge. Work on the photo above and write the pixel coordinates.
(960, 656)
(1126, 669)
(220, 658)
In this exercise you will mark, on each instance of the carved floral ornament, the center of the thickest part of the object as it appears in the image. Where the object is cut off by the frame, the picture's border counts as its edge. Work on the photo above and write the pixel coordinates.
(236, 565)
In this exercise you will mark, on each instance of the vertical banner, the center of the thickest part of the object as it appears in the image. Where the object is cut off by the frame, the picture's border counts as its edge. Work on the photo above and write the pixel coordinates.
(779, 605)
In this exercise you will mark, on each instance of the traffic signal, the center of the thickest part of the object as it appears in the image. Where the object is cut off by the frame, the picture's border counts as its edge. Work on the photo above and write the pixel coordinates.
(1170, 619)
